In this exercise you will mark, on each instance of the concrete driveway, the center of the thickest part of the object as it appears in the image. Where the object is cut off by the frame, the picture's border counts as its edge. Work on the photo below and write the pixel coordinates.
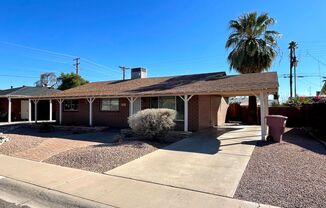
(211, 161)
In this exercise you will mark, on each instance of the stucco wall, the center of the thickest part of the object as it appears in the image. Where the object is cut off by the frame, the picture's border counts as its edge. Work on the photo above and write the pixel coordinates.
(222, 111)
(211, 111)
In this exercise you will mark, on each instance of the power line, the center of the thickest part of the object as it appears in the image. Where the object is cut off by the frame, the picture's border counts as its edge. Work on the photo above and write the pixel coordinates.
(37, 49)
(99, 65)
(316, 59)
(20, 76)
(60, 54)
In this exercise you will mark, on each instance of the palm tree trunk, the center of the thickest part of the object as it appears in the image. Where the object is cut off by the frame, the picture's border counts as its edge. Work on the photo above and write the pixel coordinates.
(252, 110)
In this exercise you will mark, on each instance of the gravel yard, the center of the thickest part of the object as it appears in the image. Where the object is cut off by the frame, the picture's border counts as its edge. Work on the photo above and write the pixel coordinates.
(289, 174)
(4, 204)
(103, 157)
(19, 143)
(95, 152)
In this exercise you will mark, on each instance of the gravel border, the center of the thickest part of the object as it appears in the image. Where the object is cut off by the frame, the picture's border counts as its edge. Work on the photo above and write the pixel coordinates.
(5, 204)
(288, 174)
(103, 157)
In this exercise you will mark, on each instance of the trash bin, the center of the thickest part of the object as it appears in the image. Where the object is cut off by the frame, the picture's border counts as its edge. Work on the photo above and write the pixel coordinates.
(276, 127)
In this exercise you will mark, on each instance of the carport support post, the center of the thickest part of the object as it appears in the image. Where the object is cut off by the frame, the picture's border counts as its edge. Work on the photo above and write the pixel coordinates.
(90, 101)
(186, 100)
(50, 110)
(29, 110)
(263, 113)
(9, 109)
(60, 101)
(35, 112)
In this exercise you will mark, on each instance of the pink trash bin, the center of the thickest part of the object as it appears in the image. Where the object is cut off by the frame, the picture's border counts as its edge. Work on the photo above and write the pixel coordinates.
(276, 127)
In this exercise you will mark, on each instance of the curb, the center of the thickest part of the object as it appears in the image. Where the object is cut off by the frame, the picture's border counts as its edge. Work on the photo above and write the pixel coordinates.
(25, 194)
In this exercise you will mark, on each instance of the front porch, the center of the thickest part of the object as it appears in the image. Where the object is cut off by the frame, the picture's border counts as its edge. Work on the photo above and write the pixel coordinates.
(18, 110)
(195, 112)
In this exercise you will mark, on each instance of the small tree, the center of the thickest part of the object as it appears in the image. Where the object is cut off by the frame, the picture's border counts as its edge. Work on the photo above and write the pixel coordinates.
(48, 79)
(70, 80)
(152, 123)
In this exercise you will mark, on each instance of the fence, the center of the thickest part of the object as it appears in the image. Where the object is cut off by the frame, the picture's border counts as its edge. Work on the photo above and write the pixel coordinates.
(313, 115)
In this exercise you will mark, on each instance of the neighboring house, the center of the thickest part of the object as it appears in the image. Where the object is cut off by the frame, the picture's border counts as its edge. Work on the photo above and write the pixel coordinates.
(18, 102)
(199, 99)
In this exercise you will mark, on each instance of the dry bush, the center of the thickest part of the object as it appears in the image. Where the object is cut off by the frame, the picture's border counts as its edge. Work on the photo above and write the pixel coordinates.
(152, 123)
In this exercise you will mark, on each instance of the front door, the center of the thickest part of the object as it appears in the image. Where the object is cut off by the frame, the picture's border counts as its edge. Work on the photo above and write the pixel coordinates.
(24, 109)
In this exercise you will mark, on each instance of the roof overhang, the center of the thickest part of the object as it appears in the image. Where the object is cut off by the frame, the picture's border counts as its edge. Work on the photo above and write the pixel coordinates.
(221, 93)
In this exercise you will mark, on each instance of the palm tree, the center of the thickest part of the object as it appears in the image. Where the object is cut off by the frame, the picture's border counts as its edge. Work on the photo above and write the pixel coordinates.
(253, 48)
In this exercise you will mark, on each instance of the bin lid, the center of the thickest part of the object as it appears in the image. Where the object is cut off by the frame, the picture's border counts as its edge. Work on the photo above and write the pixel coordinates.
(276, 116)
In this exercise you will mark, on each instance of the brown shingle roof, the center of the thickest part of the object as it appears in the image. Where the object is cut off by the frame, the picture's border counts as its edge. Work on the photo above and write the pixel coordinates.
(208, 83)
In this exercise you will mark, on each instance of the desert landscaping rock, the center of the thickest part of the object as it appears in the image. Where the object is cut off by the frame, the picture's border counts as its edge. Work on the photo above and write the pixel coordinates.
(4, 204)
(103, 157)
(288, 174)
(19, 143)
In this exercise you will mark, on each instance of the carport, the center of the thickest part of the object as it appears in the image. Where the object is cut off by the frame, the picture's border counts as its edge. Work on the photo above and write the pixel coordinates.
(17, 104)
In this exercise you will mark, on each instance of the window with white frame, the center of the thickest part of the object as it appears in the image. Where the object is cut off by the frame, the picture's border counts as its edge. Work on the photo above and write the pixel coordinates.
(110, 104)
(71, 105)
(170, 102)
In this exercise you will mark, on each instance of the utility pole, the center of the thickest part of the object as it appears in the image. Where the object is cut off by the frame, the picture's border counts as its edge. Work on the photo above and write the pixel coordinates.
(293, 63)
(77, 62)
(123, 68)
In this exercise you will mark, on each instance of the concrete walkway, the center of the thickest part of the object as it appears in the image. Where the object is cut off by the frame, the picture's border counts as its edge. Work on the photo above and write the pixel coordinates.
(210, 161)
(119, 191)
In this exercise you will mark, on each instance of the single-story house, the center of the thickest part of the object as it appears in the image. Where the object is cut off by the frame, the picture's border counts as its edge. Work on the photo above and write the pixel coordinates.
(18, 102)
(199, 99)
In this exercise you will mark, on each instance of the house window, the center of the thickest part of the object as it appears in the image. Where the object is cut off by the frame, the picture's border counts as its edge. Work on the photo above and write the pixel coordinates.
(170, 102)
(110, 104)
(71, 105)
(167, 102)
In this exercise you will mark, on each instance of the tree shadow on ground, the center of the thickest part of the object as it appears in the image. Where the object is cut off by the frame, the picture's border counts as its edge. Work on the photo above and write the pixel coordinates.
(299, 137)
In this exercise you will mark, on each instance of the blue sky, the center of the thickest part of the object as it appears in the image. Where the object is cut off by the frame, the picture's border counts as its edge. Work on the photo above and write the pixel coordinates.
(167, 37)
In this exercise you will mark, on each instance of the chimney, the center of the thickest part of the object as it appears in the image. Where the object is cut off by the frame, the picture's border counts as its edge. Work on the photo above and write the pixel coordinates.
(137, 73)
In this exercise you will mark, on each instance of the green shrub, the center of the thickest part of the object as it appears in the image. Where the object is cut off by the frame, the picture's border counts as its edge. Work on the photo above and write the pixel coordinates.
(152, 123)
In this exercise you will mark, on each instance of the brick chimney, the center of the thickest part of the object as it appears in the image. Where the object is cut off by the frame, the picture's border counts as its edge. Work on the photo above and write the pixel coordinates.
(137, 73)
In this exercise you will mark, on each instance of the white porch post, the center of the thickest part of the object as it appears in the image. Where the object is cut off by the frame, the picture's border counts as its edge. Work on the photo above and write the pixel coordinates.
(90, 101)
(60, 101)
(9, 109)
(263, 113)
(50, 110)
(29, 110)
(35, 112)
(185, 101)
(131, 105)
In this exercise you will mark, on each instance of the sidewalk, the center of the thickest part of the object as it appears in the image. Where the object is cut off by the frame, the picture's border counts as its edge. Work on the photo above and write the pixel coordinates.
(110, 190)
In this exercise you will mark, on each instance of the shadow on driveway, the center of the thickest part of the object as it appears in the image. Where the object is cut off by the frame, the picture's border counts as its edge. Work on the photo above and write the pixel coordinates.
(208, 142)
